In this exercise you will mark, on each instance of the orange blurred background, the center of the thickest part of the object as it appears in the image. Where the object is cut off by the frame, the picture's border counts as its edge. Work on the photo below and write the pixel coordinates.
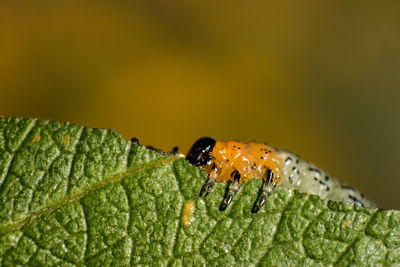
(320, 79)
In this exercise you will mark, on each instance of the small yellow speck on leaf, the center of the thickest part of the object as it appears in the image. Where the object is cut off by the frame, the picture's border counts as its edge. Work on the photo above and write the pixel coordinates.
(65, 139)
(36, 138)
(187, 211)
(345, 224)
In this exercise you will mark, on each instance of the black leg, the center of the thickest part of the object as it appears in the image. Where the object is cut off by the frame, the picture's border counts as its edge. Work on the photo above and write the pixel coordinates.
(236, 176)
(265, 190)
(231, 189)
(207, 186)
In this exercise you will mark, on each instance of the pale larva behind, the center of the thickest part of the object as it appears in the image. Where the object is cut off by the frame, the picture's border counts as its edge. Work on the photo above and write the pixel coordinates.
(303, 176)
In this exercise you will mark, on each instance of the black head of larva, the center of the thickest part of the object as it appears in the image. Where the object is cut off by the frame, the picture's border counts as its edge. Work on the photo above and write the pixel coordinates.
(200, 152)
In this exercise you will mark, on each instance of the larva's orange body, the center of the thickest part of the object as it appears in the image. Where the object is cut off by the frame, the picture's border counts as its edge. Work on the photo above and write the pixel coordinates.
(251, 159)
(235, 162)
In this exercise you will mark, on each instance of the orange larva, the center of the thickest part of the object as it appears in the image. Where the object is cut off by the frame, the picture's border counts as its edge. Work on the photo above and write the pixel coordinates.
(236, 162)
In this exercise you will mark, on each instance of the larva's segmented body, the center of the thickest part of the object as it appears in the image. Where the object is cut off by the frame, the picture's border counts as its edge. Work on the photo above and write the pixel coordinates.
(236, 162)
(303, 176)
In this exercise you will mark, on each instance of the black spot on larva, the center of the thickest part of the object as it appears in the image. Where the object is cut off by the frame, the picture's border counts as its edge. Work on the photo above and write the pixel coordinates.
(239, 148)
(261, 157)
(347, 187)
(291, 178)
(314, 169)
(326, 178)
(324, 185)
(297, 161)
(288, 159)
(356, 201)
(315, 178)
(294, 169)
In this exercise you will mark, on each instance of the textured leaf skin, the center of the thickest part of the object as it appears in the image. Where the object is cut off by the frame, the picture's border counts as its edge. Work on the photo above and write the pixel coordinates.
(72, 195)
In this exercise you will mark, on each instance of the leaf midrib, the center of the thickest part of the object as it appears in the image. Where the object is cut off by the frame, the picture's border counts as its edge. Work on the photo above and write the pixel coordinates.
(73, 197)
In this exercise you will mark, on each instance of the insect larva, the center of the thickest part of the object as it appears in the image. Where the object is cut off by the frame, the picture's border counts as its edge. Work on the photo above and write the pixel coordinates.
(236, 162)
(187, 212)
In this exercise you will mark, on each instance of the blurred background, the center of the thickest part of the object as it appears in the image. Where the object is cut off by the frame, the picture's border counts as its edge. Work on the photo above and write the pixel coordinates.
(320, 79)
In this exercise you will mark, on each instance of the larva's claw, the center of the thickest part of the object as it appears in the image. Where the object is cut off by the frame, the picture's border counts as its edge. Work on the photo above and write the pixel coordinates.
(259, 203)
(255, 208)
(207, 186)
(265, 190)
(225, 202)
(231, 189)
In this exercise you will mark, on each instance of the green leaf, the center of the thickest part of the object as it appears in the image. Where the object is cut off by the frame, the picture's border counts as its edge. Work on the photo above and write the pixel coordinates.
(72, 195)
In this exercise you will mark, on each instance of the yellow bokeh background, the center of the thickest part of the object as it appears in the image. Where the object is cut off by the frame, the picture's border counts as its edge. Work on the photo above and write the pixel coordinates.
(318, 78)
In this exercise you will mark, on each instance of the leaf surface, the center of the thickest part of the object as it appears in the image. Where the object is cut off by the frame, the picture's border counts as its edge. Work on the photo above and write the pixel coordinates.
(73, 195)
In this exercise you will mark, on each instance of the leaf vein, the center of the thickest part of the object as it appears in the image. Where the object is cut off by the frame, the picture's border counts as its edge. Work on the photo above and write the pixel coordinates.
(25, 135)
(178, 228)
(86, 247)
(355, 240)
(129, 219)
(48, 250)
(76, 197)
(72, 164)
(278, 225)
